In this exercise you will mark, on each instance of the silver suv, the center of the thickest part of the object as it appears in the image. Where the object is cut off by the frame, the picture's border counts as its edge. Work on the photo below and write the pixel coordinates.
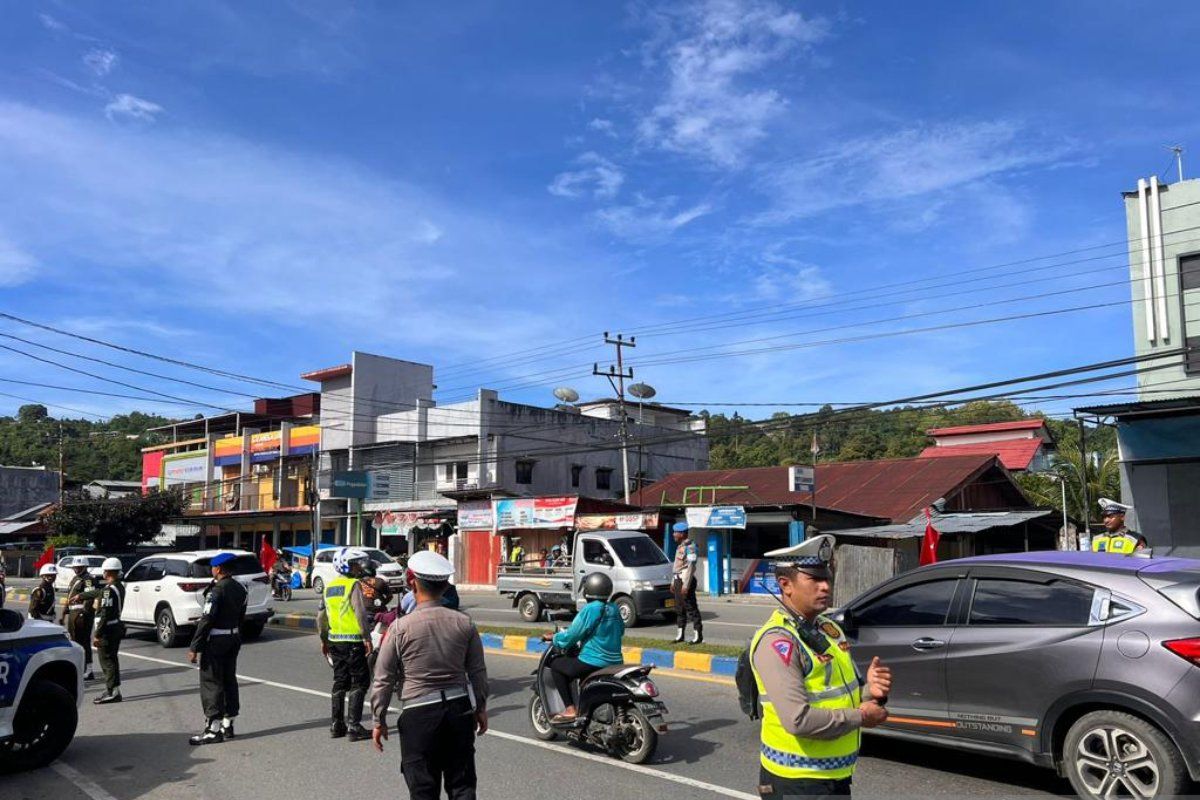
(1088, 663)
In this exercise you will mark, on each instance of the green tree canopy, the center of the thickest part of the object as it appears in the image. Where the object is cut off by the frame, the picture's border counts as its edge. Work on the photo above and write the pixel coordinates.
(114, 526)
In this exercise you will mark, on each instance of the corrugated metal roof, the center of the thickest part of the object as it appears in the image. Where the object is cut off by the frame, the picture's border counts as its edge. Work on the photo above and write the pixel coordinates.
(968, 522)
(894, 489)
(1185, 403)
(989, 427)
(1013, 453)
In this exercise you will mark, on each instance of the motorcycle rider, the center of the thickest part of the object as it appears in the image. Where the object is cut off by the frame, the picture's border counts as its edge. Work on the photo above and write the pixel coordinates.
(281, 575)
(409, 601)
(597, 630)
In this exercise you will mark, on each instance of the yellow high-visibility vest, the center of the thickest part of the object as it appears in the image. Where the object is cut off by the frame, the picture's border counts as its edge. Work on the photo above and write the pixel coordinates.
(343, 622)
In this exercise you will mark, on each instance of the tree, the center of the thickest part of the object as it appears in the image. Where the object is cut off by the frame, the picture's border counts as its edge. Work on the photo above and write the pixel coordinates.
(114, 526)
(1101, 471)
(32, 413)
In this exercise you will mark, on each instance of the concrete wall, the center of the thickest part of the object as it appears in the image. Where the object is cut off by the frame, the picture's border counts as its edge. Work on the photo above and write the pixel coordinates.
(25, 487)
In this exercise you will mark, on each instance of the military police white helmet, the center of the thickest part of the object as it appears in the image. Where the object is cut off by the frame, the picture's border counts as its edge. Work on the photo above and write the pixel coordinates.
(48, 569)
(111, 565)
(344, 559)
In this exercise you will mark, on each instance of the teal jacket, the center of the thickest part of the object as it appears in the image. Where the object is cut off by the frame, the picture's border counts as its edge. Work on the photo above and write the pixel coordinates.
(599, 628)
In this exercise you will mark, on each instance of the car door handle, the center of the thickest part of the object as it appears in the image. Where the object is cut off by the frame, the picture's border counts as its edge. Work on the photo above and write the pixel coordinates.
(158, 588)
(137, 588)
(925, 643)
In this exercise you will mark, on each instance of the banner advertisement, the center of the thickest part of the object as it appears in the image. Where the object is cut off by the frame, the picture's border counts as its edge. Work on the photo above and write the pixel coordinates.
(152, 471)
(617, 522)
(716, 517)
(355, 485)
(475, 515)
(400, 523)
(535, 512)
(801, 479)
(184, 468)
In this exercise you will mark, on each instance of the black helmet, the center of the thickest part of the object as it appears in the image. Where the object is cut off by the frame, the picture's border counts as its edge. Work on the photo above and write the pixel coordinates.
(597, 586)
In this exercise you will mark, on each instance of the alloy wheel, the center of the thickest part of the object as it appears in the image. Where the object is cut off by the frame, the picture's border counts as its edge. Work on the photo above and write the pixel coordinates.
(1114, 762)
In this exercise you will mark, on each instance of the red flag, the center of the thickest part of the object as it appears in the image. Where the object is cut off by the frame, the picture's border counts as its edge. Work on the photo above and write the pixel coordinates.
(929, 544)
(267, 555)
(47, 557)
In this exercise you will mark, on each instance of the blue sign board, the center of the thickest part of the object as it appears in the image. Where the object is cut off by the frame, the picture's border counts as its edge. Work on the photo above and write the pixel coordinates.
(716, 517)
(355, 485)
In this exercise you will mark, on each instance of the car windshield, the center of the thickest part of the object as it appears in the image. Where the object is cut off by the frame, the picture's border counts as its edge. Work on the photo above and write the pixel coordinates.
(638, 551)
(380, 556)
(241, 565)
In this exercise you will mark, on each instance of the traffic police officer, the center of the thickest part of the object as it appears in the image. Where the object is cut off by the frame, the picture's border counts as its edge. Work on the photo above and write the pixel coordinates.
(344, 621)
(41, 599)
(814, 702)
(108, 630)
(684, 584)
(1116, 537)
(79, 616)
(216, 644)
(433, 657)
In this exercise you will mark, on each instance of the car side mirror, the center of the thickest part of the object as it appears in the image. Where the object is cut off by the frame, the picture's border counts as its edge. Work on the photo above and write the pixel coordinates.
(10, 621)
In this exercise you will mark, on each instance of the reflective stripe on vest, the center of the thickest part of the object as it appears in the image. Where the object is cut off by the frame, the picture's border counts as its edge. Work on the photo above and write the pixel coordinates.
(833, 685)
(343, 622)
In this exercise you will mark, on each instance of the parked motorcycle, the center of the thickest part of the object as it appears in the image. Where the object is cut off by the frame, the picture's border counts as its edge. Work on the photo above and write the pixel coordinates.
(617, 709)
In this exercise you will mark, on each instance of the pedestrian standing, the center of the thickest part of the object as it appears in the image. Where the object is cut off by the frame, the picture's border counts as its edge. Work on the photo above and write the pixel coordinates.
(684, 584)
(79, 616)
(344, 622)
(814, 702)
(216, 644)
(108, 630)
(41, 599)
(433, 658)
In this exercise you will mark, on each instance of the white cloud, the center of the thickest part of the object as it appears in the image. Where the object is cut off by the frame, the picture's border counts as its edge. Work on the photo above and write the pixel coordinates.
(599, 177)
(714, 53)
(648, 218)
(100, 61)
(126, 105)
(916, 162)
(52, 24)
(604, 126)
(16, 266)
(786, 279)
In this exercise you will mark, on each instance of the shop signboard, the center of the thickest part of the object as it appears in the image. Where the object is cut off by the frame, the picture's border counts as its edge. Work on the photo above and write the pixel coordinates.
(617, 522)
(716, 517)
(152, 471)
(535, 512)
(399, 523)
(801, 479)
(355, 485)
(184, 468)
(475, 515)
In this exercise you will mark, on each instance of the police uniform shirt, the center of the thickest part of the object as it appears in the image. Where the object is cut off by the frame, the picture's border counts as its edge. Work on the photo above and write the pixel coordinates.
(782, 664)
(41, 601)
(432, 649)
(685, 560)
(112, 600)
(224, 609)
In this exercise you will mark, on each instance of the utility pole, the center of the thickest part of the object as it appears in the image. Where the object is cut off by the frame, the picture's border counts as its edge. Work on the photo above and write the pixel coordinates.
(61, 457)
(1083, 476)
(1177, 149)
(617, 376)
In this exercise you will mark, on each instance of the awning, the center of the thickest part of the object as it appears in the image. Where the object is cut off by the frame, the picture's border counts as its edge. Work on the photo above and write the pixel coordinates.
(965, 522)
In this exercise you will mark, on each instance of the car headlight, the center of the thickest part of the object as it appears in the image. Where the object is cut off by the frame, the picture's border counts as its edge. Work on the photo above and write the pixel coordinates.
(643, 586)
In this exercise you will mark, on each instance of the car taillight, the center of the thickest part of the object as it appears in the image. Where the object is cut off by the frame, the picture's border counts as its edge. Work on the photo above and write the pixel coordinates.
(261, 579)
(1185, 648)
(648, 688)
(193, 587)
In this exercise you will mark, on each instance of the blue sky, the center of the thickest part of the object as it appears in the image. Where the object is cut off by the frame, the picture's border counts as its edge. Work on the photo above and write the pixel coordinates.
(265, 187)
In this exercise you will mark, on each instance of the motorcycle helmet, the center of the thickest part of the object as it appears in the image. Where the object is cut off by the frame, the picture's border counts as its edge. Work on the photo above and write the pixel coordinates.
(345, 559)
(597, 586)
(48, 570)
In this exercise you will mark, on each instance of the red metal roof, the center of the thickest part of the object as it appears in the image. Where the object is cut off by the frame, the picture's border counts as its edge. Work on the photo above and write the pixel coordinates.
(895, 489)
(990, 427)
(328, 374)
(1013, 453)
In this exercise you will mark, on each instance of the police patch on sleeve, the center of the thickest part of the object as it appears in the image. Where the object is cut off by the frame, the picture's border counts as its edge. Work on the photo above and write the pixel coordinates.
(207, 607)
(784, 649)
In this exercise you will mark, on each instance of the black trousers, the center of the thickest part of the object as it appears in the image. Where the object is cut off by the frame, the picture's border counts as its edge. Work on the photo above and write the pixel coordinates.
(437, 748)
(219, 693)
(566, 669)
(107, 653)
(349, 666)
(79, 626)
(685, 603)
(772, 786)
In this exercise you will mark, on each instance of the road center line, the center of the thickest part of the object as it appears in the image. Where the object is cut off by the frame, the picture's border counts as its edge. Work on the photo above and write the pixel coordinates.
(512, 737)
(82, 782)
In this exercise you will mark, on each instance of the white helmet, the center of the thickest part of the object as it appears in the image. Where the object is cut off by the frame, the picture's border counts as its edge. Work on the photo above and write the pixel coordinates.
(48, 569)
(75, 562)
(112, 565)
(343, 560)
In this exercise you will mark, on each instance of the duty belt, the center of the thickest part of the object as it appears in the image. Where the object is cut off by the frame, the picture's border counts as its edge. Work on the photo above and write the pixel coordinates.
(441, 696)
(76, 607)
(222, 631)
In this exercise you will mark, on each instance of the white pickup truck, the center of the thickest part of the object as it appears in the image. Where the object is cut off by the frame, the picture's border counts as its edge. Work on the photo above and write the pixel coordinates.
(41, 688)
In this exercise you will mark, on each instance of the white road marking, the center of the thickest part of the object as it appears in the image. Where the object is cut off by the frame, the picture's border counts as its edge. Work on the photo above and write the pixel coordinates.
(512, 737)
(81, 781)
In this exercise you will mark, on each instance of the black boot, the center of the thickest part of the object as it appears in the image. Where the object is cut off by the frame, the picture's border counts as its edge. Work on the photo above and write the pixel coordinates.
(227, 727)
(210, 735)
(354, 729)
(337, 728)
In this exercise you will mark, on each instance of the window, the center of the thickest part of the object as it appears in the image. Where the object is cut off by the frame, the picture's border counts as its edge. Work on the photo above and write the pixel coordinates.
(594, 552)
(1189, 272)
(456, 471)
(155, 569)
(576, 471)
(638, 551)
(241, 565)
(525, 472)
(177, 568)
(921, 604)
(1003, 602)
(138, 573)
(604, 478)
(325, 557)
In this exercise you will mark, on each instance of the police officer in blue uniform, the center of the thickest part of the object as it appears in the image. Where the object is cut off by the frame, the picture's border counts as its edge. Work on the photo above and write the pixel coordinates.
(216, 644)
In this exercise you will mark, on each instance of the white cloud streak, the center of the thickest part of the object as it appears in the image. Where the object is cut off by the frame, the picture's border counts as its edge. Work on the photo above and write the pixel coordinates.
(649, 219)
(16, 266)
(100, 61)
(131, 107)
(599, 177)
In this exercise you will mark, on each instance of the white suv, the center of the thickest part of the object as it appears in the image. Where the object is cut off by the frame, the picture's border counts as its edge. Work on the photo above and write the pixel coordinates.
(323, 571)
(41, 687)
(166, 591)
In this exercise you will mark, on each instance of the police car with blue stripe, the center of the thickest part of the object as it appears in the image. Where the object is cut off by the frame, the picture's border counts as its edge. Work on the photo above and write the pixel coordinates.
(41, 688)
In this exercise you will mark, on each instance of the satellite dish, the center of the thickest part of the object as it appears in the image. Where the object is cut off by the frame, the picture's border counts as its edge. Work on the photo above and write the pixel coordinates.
(642, 391)
(566, 394)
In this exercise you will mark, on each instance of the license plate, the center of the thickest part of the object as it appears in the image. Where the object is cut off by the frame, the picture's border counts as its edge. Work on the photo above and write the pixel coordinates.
(668, 603)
